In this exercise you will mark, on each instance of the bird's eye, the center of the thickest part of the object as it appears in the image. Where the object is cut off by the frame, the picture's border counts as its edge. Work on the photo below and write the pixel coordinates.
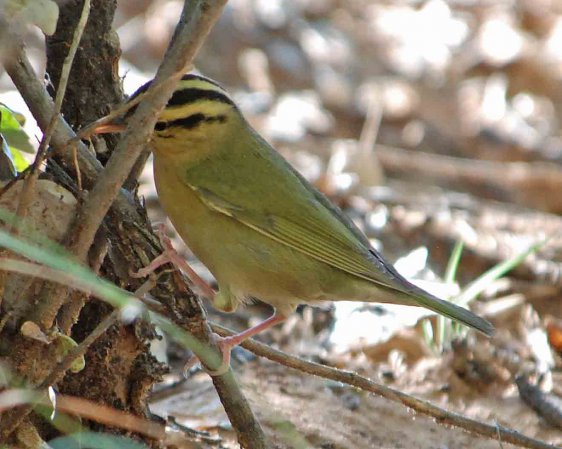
(160, 126)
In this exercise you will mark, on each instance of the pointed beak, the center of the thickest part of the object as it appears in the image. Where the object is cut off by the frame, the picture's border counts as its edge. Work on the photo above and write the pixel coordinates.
(116, 126)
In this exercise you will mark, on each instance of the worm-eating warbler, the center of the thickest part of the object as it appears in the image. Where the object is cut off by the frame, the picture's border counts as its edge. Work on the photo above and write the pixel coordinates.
(258, 225)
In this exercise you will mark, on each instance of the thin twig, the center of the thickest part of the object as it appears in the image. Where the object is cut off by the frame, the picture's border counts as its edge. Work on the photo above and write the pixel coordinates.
(117, 112)
(111, 416)
(202, 14)
(28, 190)
(77, 168)
(42, 106)
(84, 408)
(419, 405)
(58, 372)
(196, 21)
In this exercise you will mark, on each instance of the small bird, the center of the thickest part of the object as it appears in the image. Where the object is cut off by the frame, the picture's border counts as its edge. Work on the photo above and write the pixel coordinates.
(261, 229)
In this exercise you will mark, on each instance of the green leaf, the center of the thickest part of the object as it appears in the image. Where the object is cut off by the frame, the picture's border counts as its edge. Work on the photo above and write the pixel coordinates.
(7, 166)
(56, 257)
(42, 13)
(443, 331)
(20, 163)
(64, 345)
(447, 329)
(453, 264)
(94, 440)
(11, 129)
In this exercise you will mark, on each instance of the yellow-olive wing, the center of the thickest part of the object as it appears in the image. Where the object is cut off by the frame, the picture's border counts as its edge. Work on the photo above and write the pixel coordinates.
(254, 185)
(251, 183)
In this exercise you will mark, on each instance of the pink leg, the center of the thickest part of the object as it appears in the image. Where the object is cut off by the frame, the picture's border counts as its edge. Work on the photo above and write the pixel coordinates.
(170, 255)
(235, 340)
(227, 343)
(162, 259)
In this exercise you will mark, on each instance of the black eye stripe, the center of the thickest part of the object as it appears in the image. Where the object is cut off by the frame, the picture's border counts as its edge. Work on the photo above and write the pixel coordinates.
(188, 95)
(190, 122)
(160, 126)
(191, 95)
(191, 76)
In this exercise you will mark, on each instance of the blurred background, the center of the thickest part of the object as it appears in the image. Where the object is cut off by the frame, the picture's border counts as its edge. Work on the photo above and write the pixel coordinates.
(430, 123)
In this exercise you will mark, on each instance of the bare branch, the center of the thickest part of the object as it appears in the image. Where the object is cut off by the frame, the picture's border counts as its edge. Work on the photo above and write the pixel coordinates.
(28, 189)
(195, 23)
(440, 415)
(41, 106)
(534, 184)
(83, 408)
(188, 38)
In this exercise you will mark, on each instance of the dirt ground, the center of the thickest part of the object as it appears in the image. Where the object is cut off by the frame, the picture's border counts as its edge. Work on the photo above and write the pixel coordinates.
(430, 123)
(300, 411)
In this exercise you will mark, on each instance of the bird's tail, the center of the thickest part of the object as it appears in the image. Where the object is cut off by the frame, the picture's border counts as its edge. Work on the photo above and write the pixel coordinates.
(451, 310)
(397, 285)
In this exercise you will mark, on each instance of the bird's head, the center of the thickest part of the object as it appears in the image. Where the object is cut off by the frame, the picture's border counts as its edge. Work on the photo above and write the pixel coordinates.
(198, 110)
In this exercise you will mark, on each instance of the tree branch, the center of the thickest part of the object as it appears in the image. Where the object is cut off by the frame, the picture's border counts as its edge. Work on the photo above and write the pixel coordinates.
(28, 190)
(195, 23)
(202, 14)
(440, 415)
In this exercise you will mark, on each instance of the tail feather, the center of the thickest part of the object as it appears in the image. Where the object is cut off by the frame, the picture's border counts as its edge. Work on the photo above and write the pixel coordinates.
(454, 312)
(411, 294)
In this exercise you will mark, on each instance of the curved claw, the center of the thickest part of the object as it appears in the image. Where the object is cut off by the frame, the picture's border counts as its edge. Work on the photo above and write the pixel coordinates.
(226, 344)
(225, 347)
(170, 255)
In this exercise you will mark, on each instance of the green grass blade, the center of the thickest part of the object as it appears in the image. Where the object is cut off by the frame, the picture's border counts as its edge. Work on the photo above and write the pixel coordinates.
(89, 282)
(94, 440)
(443, 326)
(453, 264)
(477, 286)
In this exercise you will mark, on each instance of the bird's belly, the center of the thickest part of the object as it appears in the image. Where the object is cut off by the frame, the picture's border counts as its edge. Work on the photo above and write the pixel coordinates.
(247, 263)
(252, 265)
(242, 260)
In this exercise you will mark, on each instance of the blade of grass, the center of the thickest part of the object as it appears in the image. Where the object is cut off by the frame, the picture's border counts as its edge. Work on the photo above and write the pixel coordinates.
(454, 260)
(472, 290)
(83, 279)
(428, 334)
(94, 440)
(450, 276)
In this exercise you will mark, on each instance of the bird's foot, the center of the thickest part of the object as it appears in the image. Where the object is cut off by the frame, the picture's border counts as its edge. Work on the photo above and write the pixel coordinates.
(170, 255)
(225, 344)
